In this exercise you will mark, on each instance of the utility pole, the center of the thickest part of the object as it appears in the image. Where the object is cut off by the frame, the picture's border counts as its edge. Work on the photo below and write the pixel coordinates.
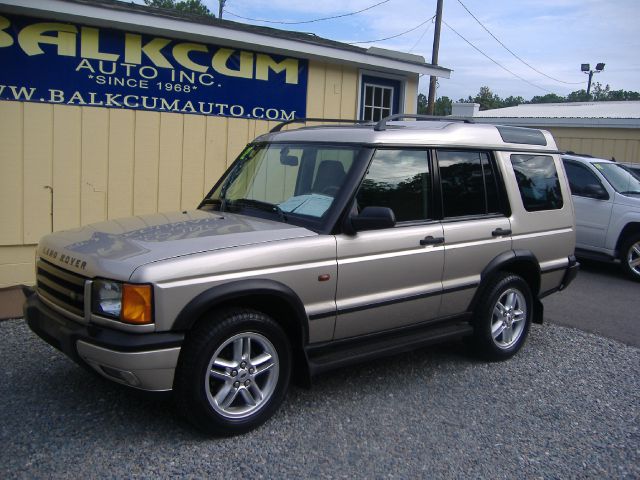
(434, 59)
(221, 6)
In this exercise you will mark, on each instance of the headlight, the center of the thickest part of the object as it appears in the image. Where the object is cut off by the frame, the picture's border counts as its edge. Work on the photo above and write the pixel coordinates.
(122, 301)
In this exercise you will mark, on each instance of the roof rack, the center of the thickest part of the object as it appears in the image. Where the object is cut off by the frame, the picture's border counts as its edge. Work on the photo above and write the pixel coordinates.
(279, 126)
(382, 124)
(570, 152)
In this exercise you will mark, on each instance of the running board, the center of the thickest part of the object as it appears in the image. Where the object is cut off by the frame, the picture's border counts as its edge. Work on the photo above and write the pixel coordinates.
(341, 353)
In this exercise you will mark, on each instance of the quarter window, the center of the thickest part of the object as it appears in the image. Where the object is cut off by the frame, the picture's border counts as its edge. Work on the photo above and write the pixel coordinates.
(538, 182)
(399, 180)
(469, 185)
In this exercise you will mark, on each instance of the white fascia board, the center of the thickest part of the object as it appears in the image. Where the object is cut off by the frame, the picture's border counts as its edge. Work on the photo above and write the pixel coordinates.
(562, 122)
(102, 16)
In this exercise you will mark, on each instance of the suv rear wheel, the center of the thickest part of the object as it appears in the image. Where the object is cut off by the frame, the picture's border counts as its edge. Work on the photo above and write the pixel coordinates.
(630, 256)
(233, 372)
(503, 317)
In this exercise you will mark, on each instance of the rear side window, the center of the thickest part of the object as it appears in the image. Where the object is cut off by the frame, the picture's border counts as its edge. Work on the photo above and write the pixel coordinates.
(538, 182)
(469, 185)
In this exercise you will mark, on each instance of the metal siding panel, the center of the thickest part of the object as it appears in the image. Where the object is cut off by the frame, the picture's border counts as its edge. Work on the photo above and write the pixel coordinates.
(215, 157)
(316, 89)
(95, 146)
(67, 163)
(349, 101)
(121, 150)
(11, 172)
(410, 96)
(332, 91)
(145, 168)
(193, 160)
(170, 166)
(237, 138)
(38, 157)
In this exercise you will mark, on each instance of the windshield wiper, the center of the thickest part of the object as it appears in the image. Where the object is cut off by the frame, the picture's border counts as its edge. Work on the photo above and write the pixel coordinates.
(260, 205)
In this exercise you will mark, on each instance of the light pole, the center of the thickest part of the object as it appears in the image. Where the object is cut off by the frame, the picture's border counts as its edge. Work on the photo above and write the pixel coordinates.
(586, 68)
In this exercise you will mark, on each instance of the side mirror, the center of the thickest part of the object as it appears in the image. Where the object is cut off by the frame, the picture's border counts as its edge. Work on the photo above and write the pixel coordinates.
(289, 160)
(373, 218)
(594, 190)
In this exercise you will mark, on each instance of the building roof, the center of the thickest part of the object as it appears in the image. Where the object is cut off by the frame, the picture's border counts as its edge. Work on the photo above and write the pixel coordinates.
(578, 114)
(627, 110)
(153, 20)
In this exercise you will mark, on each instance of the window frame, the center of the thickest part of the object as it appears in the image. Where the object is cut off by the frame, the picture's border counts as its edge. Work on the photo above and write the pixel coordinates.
(379, 79)
(504, 209)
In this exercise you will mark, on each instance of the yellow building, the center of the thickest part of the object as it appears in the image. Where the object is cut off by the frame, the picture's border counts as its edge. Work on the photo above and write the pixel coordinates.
(111, 109)
(601, 129)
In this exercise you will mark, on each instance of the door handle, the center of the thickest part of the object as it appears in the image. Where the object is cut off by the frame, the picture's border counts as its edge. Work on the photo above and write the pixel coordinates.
(498, 232)
(430, 240)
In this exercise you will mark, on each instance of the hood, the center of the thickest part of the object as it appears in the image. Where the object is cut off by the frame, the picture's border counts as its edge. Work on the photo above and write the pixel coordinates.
(632, 201)
(115, 248)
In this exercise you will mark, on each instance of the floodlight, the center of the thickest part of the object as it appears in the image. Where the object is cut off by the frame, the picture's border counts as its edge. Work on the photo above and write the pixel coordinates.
(585, 67)
(600, 67)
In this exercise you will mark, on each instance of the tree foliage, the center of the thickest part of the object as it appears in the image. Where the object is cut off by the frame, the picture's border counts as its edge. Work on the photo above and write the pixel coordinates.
(195, 7)
(489, 100)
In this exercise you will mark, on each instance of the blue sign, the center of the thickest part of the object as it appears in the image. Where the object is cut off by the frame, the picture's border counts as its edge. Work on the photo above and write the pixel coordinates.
(69, 64)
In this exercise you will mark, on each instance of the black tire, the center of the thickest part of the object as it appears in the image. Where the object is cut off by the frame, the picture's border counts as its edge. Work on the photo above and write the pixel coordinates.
(214, 387)
(629, 255)
(510, 291)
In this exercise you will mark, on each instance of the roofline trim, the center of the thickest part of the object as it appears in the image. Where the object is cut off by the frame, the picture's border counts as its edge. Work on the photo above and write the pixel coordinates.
(146, 22)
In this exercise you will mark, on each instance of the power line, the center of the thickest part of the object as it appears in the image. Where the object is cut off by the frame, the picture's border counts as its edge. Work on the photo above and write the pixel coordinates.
(395, 36)
(421, 37)
(500, 65)
(307, 21)
(512, 53)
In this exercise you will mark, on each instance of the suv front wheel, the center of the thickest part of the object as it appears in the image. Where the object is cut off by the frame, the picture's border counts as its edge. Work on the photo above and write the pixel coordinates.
(503, 317)
(233, 372)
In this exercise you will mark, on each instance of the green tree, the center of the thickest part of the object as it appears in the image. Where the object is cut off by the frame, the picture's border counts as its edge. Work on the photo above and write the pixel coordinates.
(442, 107)
(423, 102)
(578, 96)
(512, 101)
(195, 7)
(548, 98)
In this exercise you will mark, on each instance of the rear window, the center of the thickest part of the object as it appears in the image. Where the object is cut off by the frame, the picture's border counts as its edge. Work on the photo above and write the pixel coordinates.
(538, 182)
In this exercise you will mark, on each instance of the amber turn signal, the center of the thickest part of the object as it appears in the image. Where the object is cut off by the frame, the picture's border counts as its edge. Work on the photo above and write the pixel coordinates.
(136, 304)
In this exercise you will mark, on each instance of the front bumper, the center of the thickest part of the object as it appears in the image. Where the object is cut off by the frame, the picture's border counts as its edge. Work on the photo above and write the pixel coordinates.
(142, 360)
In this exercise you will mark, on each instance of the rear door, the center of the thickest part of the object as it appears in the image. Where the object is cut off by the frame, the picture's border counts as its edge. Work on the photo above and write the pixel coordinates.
(475, 227)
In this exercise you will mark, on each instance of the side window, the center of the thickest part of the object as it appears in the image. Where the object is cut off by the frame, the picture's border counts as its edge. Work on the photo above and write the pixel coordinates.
(469, 185)
(398, 179)
(538, 182)
(380, 97)
(581, 180)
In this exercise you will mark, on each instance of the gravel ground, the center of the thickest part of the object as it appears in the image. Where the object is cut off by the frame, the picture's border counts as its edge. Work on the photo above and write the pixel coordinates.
(566, 407)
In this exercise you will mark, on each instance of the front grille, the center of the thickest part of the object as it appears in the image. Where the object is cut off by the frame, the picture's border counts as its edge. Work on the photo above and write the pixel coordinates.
(61, 287)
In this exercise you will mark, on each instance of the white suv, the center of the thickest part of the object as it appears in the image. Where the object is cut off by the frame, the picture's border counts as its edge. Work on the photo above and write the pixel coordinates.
(606, 199)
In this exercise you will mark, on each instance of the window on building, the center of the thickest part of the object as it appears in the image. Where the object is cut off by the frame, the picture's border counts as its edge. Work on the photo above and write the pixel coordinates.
(538, 182)
(399, 180)
(380, 98)
(469, 184)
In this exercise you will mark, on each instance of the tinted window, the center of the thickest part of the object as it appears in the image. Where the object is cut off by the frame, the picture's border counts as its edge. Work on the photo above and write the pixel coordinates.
(398, 179)
(469, 184)
(581, 180)
(538, 182)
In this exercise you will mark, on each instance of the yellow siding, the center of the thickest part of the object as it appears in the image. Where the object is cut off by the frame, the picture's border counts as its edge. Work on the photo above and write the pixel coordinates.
(11, 173)
(38, 153)
(110, 163)
(67, 160)
(121, 154)
(623, 144)
(411, 95)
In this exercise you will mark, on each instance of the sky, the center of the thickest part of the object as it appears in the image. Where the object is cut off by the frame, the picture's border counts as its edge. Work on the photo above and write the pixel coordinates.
(553, 36)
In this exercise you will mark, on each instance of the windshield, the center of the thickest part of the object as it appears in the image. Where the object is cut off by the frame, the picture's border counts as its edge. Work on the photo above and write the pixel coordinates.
(619, 178)
(285, 180)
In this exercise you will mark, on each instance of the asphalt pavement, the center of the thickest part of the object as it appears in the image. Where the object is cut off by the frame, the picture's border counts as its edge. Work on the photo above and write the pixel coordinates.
(565, 407)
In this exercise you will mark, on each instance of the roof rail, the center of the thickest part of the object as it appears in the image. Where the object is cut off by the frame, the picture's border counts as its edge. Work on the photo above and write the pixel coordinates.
(382, 124)
(279, 126)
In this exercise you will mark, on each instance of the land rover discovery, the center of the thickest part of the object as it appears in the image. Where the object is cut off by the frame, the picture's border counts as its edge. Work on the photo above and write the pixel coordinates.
(320, 247)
